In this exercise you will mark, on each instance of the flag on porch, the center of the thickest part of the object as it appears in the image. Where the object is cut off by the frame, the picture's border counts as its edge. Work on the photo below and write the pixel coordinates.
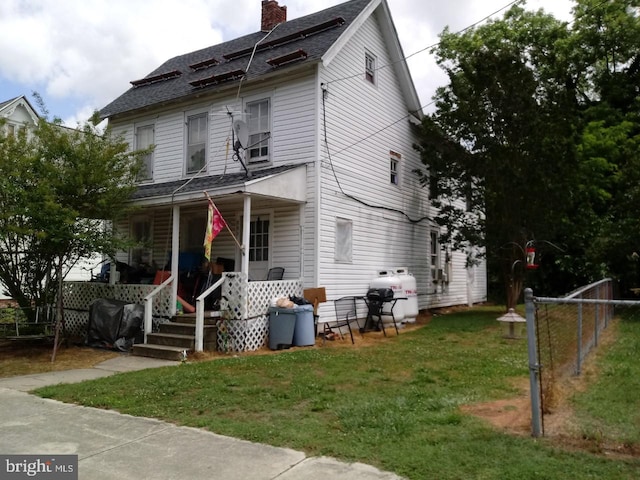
(215, 223)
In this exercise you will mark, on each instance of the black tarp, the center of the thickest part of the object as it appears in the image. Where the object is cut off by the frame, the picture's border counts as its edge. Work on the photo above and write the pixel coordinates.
(114, 324)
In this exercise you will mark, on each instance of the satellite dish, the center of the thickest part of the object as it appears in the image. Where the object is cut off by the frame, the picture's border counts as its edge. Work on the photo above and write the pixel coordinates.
(242, 132)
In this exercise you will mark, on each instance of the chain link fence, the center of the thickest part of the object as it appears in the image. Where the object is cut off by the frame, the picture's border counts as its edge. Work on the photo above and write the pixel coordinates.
(561, 332)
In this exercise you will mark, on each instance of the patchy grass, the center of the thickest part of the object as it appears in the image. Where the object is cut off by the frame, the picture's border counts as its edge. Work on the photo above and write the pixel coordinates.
(396, 404)
(25, 357)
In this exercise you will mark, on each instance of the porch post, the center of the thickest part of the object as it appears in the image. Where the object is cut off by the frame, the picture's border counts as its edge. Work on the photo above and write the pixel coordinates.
(175, 251)
(246, 231)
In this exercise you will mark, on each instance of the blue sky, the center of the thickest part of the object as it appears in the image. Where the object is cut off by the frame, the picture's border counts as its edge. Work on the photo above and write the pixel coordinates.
(81, 54)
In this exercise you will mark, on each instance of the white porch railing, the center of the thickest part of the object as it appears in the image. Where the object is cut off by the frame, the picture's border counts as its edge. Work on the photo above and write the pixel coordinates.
(244, 324)
(148, 306)
(244, 306)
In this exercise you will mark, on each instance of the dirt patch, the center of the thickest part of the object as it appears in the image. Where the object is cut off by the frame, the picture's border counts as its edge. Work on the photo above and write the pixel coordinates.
(365, 340)
(19, 357)
(513, 415)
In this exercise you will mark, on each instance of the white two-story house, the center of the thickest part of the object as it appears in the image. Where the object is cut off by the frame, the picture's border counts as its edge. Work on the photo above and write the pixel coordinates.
(302, 133)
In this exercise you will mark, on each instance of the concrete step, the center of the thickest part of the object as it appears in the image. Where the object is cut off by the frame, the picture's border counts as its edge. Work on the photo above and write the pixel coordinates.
(164, 352)
(171, 339)
(209, 333)
(210, 318)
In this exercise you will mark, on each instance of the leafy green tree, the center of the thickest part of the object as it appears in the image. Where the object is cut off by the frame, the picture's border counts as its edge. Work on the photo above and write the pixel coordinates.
(535, 142)
(502, 138)
(59, 190)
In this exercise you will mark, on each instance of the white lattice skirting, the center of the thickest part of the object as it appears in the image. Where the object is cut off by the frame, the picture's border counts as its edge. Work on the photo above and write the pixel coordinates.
(245, 307)
(78, 296)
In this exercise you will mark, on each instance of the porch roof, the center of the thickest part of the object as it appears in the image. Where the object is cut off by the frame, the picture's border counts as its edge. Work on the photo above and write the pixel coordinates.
(285, 182)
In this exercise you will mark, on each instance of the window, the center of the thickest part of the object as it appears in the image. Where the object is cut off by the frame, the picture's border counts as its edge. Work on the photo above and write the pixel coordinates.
(11, 130)
(259, 241)
(370, 67)
(344, 240)
(196, 142)
(434, 255)
(394, 167)
(258, 123)
(141, 235)
(144, 139)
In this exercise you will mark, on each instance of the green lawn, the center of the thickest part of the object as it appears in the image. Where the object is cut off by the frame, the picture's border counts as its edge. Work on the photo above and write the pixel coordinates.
(394, 405)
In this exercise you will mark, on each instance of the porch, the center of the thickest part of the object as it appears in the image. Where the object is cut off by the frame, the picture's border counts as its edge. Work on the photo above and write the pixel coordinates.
(242, 323)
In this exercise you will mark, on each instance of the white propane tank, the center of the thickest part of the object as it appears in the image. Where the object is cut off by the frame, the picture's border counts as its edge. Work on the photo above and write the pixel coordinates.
(410, 290)
(388, 279)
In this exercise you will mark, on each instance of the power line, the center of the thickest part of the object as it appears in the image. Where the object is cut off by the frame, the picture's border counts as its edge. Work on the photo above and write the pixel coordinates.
(403, 59)
(335, 176)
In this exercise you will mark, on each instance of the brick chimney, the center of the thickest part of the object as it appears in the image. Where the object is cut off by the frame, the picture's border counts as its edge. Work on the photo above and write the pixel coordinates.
(272, 14)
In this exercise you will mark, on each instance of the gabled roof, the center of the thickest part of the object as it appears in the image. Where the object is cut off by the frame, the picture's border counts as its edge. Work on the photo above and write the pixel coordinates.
(7, 107)
(303, 40)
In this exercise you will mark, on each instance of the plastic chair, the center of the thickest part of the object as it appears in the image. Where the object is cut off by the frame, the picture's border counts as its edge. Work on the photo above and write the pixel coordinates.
(345, 314)
(275, 273)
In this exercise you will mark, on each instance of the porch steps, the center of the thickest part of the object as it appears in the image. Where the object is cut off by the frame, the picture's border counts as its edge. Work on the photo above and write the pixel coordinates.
(176, 338)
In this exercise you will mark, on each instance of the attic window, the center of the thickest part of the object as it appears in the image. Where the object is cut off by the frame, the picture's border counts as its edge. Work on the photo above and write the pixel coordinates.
(211, 62)
(156, 78)
(299, 35)
(215, 79)
(287, 58)
(370, 67)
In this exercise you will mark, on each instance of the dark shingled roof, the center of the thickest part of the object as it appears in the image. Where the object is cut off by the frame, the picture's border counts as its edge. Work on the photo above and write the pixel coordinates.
(165, 85)
(211, 183)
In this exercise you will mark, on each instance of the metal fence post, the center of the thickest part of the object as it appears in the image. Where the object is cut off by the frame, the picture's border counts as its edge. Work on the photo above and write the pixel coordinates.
(534, 367)
(579, 345)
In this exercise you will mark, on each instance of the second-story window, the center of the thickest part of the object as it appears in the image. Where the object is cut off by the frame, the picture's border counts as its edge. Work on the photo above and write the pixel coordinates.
(196, 142)
(144, 140)
(259, 125)
(394, 167)
(370, 67)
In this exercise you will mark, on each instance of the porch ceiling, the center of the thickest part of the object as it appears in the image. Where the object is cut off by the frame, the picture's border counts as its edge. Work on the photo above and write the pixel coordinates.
(286, 182)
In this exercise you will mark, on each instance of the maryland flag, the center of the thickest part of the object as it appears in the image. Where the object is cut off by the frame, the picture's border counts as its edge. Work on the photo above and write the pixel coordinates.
(215, 223)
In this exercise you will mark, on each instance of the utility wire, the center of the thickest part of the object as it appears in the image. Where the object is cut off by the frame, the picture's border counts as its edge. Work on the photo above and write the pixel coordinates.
(468, 27)
(335, 176)
(359, 74)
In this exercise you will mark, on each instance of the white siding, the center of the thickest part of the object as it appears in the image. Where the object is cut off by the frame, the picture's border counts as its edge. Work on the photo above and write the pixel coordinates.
(365, 122)
(293, 122)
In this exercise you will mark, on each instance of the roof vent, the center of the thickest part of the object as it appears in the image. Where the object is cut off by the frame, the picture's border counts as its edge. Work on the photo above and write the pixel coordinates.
(288, 58)
(272, 14)
(156, 78)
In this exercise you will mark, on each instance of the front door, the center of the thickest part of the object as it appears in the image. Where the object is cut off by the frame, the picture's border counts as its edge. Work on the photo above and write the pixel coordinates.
(260, 247)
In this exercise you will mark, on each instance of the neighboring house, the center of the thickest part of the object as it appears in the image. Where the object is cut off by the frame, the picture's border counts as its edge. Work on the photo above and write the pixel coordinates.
(18, 114)
(325, 187)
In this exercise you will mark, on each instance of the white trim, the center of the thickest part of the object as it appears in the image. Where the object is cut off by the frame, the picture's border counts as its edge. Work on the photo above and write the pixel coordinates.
(201, 112)
(136, 126)
(255, 98)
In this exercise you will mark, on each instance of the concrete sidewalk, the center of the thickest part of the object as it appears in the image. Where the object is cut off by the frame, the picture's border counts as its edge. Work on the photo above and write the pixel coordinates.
(110, 445)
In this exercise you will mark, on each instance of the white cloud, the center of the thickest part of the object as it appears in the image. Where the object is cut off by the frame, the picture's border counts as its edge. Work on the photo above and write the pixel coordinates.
(85, 52)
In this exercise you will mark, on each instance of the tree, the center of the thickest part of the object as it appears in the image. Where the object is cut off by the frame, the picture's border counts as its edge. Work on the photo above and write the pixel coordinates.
(59, 187)
(537, 131)
(502, 138)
